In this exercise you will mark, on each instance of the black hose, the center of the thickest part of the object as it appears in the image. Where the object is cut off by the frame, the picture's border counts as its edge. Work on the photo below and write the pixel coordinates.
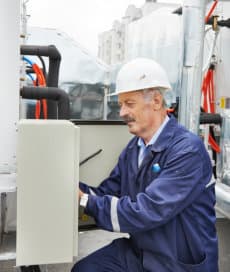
(221, 23)
(90, 157)
(31, 268)
(29, 70)
(54, 60)
(41, 50)
(50, 93)
(53, 73)
(210, 118)
(35, 268)
(24, 269)
(178, 11)
(214, 153)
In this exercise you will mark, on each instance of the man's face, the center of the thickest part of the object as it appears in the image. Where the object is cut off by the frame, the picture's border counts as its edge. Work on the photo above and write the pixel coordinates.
(137, 112)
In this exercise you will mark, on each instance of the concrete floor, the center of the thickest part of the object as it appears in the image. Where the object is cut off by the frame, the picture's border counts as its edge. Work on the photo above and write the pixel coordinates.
(89, 241)
(85, 247)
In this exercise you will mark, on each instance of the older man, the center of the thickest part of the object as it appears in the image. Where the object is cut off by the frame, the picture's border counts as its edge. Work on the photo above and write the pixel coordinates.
(160, 191)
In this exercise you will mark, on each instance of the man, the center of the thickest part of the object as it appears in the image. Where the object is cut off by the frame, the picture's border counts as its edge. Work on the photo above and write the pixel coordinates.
(160, 191)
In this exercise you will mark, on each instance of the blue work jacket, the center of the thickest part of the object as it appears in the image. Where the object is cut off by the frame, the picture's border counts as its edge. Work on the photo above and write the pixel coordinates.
(166, 205)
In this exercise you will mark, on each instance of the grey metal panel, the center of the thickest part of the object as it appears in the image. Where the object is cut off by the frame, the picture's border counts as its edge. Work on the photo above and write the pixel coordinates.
(46, 191)
(223, 231)
(111, 140)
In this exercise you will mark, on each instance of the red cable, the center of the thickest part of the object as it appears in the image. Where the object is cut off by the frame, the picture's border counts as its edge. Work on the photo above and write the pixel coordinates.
(208, 89)
(37, 109)
(37, 106)
(211, 92)
(209, 102)
(45, 109)
(205, 90)
(169, 110)
(211, 10)
(41, 82)
(213, 144)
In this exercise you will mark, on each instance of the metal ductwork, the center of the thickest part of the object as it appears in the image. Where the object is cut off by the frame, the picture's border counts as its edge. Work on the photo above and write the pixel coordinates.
(223, 167)
(191, 74)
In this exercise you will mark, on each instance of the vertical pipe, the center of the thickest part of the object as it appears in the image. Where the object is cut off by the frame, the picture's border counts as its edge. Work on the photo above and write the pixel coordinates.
(9, 78)
(107, 83)
(105, 102)
(193, 42)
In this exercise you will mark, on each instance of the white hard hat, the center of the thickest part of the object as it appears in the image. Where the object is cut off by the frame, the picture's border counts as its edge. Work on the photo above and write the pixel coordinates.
(139, 74)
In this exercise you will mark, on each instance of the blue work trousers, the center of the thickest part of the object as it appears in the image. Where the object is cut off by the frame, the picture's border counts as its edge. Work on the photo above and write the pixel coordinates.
(119, 256)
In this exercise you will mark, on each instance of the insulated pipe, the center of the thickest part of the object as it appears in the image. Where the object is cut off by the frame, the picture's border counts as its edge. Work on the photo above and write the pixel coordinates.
(210, 118)
(211, 52)
(192, 62)
(54, 60)
(53, 73)
(50, 93)
(178, 11)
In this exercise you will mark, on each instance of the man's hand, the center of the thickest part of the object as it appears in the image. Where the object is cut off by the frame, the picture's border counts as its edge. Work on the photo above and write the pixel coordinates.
(80, 194)
(83, 198)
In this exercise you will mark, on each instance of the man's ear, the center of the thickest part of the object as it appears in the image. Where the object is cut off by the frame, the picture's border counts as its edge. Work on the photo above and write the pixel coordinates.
(157, 101)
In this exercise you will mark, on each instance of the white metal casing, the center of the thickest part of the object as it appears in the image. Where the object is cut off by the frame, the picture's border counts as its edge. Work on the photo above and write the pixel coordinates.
(47, 182)
(9, 78)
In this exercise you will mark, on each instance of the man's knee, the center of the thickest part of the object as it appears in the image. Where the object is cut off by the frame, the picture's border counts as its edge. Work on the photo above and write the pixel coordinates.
(81, 266)
(89, 263)
(100, 260)
(75, 268)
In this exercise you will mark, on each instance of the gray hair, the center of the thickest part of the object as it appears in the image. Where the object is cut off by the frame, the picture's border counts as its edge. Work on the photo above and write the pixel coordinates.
(166, 94)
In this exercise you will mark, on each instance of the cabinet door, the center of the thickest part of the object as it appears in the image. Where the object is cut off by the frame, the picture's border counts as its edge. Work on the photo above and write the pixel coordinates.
(47, 179)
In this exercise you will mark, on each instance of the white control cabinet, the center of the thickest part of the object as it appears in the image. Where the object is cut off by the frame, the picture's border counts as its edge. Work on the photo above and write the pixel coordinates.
(47, 182)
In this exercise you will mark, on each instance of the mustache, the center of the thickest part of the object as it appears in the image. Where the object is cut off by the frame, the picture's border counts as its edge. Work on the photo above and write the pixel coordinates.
(128, 119)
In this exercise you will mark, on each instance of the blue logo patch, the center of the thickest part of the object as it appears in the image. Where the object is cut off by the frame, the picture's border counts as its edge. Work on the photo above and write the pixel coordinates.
(156, 168)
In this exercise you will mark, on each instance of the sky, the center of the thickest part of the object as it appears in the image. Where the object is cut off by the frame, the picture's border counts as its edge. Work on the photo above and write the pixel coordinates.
(82, 20)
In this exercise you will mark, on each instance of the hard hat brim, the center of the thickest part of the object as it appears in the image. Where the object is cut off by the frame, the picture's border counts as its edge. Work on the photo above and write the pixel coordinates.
(129, 91)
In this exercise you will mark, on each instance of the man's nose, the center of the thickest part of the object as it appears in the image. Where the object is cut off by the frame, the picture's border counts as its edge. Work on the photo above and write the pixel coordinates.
(123, 111)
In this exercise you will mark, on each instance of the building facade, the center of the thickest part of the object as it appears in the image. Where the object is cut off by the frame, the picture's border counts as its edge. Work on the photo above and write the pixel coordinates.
(112, 43)
(111, 48)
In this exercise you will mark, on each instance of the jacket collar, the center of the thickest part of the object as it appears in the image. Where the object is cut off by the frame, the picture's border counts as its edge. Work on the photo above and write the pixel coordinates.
(163, 140)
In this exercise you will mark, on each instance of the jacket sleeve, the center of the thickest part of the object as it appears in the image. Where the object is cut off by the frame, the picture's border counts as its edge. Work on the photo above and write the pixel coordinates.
(182, 179)
(109, 186)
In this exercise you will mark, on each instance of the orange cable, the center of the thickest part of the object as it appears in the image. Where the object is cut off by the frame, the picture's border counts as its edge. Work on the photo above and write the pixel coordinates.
(211, 11)
(41, 82)
(209, 102)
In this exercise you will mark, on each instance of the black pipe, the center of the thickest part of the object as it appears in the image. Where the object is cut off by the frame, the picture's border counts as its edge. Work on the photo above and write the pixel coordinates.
(50, 93)
(210, 118)
(221, 23)
(53, 73)
(29, 71)
(54, 60)
(178, 11)
(90, 157)
(31, 268)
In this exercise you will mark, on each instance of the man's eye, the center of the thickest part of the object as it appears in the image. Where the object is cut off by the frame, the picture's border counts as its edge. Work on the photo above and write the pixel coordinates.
(130, 104)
